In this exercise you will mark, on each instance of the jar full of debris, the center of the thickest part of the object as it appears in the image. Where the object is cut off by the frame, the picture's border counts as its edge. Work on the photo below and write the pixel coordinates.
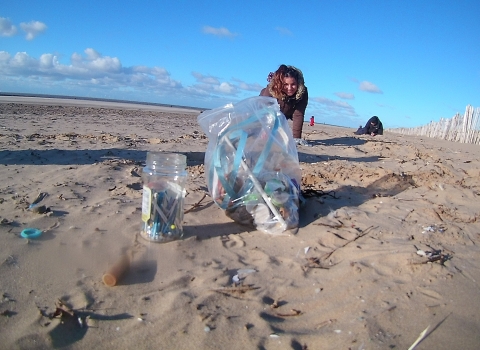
(164, 179)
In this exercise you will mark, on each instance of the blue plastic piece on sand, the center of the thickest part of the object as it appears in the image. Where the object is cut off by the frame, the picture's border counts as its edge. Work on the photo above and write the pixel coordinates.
(31, 233)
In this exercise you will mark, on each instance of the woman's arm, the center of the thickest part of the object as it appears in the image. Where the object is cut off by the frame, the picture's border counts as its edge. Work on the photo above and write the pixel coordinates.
(299, 115)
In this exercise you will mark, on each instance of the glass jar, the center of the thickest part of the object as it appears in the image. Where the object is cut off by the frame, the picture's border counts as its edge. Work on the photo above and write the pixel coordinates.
(164, 180)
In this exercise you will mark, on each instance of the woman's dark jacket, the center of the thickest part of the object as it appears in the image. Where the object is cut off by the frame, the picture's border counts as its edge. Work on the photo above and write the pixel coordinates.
(376, 129)
(292, 107)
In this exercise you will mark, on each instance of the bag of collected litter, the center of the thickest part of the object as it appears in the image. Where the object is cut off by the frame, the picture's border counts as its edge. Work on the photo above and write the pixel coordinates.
(251, 164)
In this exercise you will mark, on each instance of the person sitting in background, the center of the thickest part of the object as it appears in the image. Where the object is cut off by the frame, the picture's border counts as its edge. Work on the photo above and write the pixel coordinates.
(286, 84)
(312, 120)
(373, 127)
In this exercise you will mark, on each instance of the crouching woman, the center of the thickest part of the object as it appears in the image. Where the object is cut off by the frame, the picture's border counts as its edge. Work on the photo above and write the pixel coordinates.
(373, 127)
(286, 84)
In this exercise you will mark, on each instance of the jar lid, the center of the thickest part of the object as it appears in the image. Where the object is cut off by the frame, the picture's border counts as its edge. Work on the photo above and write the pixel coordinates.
(166, 159)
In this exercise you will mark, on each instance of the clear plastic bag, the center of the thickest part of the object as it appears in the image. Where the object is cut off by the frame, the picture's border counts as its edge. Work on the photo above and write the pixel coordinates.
(251, 164)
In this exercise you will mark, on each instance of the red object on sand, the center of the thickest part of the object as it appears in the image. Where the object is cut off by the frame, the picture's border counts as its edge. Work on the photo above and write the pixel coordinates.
(312, 121)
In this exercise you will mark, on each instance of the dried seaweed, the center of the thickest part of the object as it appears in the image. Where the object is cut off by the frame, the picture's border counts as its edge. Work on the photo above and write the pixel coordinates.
(311, 192)
(314, 263)
(239, 290)
(293, 312)
(196, 205)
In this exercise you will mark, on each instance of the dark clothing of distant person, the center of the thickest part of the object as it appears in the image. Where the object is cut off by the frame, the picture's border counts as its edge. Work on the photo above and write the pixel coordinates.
(373, 127)
(293, 107)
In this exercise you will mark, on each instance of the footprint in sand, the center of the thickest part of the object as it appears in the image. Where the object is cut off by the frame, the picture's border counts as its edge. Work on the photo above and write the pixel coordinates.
(231, 241)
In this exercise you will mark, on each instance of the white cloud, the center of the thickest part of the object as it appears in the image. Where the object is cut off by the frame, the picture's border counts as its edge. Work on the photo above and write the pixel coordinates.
(330, 106)
(210, 83)
(345, 95)
(22, 59)
(332, 103)
(370, 87)
(226, 88)
(90, 73)
(91, 69)
(284, 31)
(250, 87)
(92, 54)
(220, 32)
(6, 27)
(223, 88)
(33, 28)
(246, 86)
(96, 62)
(4, 58)
(205, 79)
(332, 111)
(47, 61)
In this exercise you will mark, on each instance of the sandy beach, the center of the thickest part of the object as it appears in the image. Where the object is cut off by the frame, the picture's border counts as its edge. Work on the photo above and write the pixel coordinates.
(388, 244)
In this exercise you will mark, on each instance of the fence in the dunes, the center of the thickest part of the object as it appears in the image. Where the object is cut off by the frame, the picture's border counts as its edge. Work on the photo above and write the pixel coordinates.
(465, 129)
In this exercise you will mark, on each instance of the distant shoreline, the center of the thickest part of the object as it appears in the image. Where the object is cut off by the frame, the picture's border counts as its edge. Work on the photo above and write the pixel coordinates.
(57, 100)
(91, 101)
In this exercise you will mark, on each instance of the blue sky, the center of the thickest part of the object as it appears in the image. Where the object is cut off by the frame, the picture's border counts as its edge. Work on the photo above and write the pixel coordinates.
(408, 62)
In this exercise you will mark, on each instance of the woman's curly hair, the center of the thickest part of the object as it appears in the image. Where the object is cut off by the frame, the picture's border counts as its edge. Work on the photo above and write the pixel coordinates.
(275, 79)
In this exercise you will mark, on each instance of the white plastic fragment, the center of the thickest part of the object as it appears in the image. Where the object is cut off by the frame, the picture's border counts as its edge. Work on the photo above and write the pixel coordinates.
(428, 229)
(306, 250)
(236, 279)
(421, 252)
